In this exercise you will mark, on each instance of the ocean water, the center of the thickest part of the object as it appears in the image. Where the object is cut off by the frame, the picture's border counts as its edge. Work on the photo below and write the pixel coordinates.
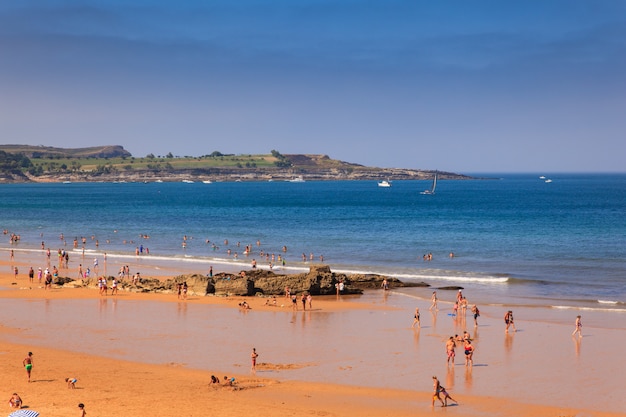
(516, 239)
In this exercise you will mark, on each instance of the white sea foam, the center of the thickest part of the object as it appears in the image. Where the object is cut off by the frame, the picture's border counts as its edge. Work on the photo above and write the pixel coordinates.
(611, 310)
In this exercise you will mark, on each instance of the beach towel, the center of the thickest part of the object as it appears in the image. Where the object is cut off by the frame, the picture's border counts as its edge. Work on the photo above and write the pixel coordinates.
(24, 413)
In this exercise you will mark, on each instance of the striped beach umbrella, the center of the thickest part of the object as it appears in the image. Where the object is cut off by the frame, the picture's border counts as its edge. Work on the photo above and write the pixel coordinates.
(24, 413)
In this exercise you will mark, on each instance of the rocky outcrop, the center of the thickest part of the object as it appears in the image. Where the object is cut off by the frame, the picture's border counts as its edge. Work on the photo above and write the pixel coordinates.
(320, 280)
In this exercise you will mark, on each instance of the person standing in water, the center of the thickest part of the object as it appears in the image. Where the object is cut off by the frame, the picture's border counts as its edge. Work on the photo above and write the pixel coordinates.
(253, 357)
(469, 353)
(476, 313)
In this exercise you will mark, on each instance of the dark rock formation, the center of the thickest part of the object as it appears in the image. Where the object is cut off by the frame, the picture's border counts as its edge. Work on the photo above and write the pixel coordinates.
(320, 280)
(450, 288)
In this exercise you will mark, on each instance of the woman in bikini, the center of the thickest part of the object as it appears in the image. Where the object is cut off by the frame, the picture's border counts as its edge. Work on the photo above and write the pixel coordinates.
(416, 318)
(437, 392)
(469, 353)
(579, 327)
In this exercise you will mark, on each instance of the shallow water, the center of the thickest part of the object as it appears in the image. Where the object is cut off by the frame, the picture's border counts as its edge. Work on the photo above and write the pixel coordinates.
(541, 363)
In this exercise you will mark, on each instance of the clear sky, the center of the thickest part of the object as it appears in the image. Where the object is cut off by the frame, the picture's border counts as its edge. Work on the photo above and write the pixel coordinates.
(463, 86)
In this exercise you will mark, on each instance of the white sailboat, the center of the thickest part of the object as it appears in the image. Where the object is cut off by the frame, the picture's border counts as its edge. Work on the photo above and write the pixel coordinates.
(432, 190)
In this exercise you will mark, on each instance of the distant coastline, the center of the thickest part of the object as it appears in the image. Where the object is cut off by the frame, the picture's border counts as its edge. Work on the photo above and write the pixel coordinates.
(25, 163)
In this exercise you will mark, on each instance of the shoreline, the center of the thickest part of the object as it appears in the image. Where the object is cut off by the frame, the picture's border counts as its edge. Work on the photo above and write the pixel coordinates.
(499, 293)
(354, 374)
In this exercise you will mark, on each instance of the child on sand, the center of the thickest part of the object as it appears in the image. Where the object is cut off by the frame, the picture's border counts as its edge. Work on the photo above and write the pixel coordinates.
(15, 401)
(446, 396)
(71, 382)
(81, 408)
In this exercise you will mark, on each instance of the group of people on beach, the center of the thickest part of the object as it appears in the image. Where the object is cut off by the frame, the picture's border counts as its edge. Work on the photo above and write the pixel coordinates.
(306, 299)
(439, 392)
(16, 402)
(459, 308)
(468, 348)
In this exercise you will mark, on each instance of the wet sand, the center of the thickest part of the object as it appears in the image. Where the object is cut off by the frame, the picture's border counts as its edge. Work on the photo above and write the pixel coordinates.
(352, 356)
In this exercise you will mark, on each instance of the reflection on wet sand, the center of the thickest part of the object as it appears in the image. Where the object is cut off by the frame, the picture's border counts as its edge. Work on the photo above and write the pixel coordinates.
(450, 378)
(508, 343)
(468, 378)
(577, 342)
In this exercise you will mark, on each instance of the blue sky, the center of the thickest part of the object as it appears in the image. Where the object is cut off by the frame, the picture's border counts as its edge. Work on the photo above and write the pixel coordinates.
(464, 86)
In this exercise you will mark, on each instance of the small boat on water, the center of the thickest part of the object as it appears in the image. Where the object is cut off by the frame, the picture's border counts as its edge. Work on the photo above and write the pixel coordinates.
(297, 179)
(384, 183)
(207, 182)
(188, 181)
(432, 190)
(548, 180)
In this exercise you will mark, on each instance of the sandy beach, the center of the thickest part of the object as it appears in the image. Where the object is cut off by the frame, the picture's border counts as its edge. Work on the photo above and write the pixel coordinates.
(152, 354)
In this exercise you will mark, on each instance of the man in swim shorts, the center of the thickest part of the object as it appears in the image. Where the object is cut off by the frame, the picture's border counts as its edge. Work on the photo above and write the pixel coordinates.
(450, 346)
(253, 356)
(28, 364)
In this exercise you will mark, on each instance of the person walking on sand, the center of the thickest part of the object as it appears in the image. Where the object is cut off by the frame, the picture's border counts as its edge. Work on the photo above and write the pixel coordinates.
(416, 318)
(579, 327)
(433, 300)
(253, 357)
(28, 364)
(437, 392)
(81, 410)
(508, 319)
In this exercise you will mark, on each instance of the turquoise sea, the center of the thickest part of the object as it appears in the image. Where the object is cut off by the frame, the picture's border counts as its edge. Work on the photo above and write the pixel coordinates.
(516, 238)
